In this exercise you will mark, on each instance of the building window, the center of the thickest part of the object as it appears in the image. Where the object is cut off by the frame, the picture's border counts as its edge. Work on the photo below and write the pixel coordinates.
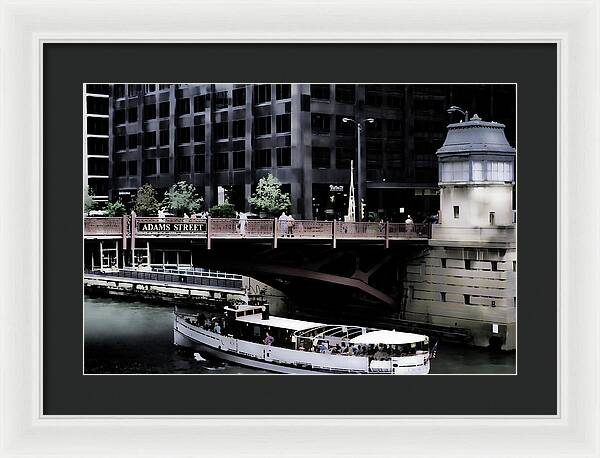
(149, 167)
(499, 171)
(164, 109)
(262, 158)
(221, 130)
(150, 139)
(164, 87)
(320, 123)
(320, 157)
(494, 265)
(133, 90)
(455, 171)
(467, 299)
(319, 91)
(164, 137)
(132, 115)
(262, 93)
(182, 107)
(283, 123)
(149, 88)
(262, 125)
(164, 165)
(492, 218)
(467, 264)
(456, 211)
(443, 296)
(514, 266)
(394, 128)
(239, 97)
(238, 128)
(199, 103)
(120, 143)
(119, 117)
(121, 168)
(199, 133)
(119, 91)
(221, 161)
(132, 141)
(199, 163)
(132, 166)
(443, 261)
(284, 157)
(182, 164)
(182, 135)
(221, 100)
(283, 91)
(373, 95)
(97, 126)
(343, 156)
(239, 159)
(345, 93)
(149, 112)
(477, 171)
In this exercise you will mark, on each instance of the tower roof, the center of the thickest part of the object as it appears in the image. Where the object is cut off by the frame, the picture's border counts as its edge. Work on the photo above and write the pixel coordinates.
(476, 136)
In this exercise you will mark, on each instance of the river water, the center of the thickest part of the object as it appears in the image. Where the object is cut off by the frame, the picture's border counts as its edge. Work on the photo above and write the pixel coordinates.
(124, 337)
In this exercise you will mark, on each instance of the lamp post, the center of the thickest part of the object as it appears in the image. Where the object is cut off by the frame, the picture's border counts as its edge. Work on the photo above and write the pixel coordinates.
(455, 109)
(359, 127)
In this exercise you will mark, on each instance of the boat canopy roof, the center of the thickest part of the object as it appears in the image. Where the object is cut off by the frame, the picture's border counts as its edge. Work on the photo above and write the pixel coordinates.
(388, 338)
(278, 322)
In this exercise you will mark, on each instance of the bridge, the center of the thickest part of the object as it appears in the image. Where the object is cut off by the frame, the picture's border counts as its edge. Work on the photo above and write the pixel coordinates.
(273, 230)
(362, 259)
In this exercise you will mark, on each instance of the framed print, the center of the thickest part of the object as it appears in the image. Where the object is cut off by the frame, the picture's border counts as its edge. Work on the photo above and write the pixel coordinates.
(303, 233)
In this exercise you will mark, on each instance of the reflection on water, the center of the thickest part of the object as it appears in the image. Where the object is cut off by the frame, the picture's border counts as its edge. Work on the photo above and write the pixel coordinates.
(137, 338)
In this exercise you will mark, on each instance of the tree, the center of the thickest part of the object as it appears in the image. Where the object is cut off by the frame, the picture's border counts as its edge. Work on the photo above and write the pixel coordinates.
(115, 208)
(146, 203)
(88, 200)
(268, 197)
(224, 210)
(182, 198)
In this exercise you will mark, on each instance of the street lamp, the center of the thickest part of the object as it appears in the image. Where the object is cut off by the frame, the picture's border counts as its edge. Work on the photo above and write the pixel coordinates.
(359, 127)
(454, 109)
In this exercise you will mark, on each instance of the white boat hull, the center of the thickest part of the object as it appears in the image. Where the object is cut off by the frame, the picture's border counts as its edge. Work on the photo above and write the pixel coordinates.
(249, 354)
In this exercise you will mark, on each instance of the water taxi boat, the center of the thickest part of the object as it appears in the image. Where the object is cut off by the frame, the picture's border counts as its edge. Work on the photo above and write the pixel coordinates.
(248, 335)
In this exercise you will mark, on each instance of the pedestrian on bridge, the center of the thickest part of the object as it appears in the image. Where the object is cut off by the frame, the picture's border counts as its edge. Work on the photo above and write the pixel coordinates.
(283, 224)
(243, 223)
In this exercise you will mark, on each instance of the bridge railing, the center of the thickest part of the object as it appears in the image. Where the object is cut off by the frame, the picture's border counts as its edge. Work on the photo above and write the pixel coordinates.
(360, 230)
(305, 228)
(103, 226)
(403, 230)
(257, 228)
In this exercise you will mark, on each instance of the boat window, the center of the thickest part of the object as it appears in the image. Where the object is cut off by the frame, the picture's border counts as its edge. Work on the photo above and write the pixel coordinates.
(256, 330)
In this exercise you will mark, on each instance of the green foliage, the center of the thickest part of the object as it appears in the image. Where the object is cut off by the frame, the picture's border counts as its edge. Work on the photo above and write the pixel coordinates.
(268, 197)
(224, 210)
(182, 198)
(88, 200)
(146, 203)
(115, 208)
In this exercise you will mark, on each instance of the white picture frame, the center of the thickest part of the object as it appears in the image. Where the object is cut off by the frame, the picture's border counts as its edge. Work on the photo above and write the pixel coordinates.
(573, 26)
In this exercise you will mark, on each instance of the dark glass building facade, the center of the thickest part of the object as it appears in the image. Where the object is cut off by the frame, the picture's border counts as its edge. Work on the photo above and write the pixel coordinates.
(230, 135)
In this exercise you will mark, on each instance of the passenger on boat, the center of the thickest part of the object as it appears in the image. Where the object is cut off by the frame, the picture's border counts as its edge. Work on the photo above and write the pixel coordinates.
(207, 324)
(217, 328)
(269, 339)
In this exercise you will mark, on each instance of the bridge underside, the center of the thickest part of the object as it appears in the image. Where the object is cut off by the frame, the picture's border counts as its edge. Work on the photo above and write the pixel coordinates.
(353, 272)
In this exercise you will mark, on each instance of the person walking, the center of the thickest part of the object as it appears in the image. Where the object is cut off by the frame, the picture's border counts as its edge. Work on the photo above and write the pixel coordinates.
(243, 222)
(283, 224)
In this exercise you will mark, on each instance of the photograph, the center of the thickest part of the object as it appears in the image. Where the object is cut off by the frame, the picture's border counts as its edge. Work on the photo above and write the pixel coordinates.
(299, 228)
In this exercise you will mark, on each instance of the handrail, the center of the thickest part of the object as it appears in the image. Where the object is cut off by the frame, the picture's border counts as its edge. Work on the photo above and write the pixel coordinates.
(215, 228)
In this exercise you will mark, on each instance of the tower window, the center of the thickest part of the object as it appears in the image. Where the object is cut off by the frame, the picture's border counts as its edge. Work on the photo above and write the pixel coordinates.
(494, 265)
(467, 299)
(443, 262)
(456, 211)
(443, 296)
(467, 264)
(492, 218)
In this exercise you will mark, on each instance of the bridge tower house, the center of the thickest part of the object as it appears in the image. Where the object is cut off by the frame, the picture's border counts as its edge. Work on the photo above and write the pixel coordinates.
(467, 279)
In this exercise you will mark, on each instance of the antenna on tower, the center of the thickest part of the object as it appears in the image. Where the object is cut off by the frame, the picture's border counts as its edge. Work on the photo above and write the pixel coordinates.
(351, 216)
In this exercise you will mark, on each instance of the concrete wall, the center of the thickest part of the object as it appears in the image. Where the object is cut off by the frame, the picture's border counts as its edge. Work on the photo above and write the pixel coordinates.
(475, 204)
(471, 288)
